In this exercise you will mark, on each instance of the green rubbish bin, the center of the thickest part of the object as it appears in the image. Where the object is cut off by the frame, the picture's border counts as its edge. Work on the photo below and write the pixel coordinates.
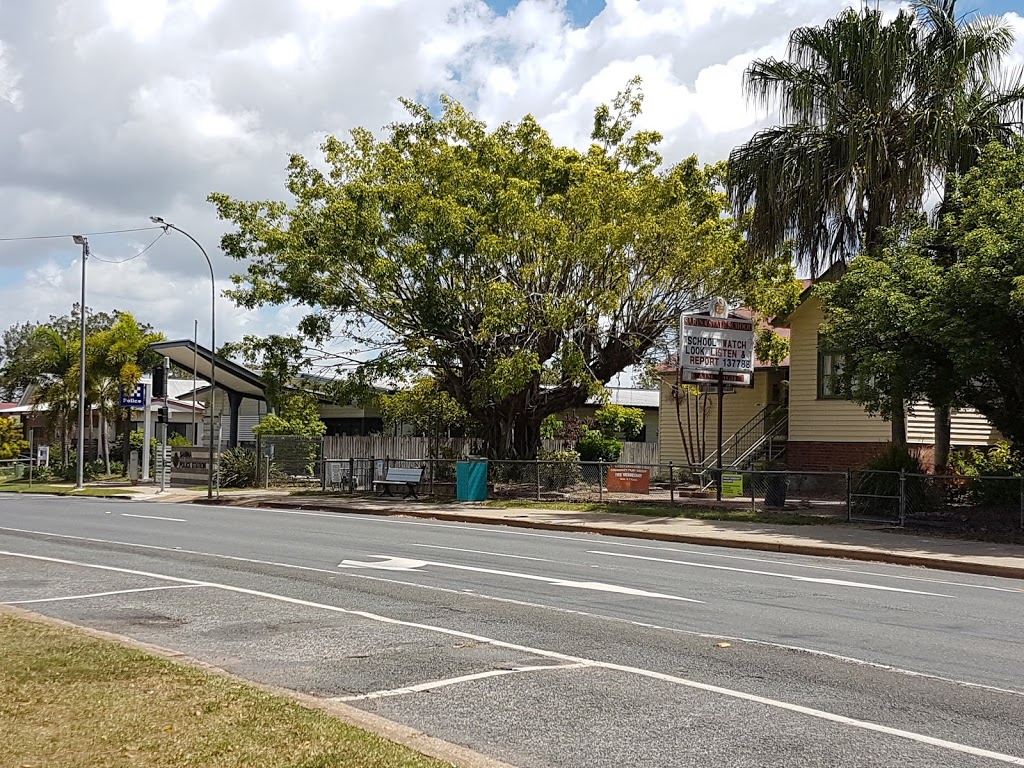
(471, 480)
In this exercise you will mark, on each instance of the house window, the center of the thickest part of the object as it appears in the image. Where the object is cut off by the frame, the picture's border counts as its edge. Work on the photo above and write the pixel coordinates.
(832, 385)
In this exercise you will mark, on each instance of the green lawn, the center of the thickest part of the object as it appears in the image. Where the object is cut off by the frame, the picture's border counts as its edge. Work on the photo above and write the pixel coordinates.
(22, 486)
(744, 515)
(70, 700)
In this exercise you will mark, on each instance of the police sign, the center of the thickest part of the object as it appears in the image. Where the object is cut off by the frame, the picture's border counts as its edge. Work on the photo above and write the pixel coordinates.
(134, 399)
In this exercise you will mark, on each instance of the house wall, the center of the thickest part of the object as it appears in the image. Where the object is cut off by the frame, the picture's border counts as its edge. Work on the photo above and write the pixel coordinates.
(811, 419)
(739, 408)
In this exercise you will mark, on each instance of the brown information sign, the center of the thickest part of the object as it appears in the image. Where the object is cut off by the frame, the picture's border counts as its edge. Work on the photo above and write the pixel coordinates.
(629, 480)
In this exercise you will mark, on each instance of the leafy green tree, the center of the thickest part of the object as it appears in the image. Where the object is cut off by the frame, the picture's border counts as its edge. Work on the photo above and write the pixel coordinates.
(520, 275)
(614, 420)
(300, 415)
(12, 444)
(424, 407)
(877, 112)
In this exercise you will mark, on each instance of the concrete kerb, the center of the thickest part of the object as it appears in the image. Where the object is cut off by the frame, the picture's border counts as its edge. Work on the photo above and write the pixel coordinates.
(457, 755)
(814, 550)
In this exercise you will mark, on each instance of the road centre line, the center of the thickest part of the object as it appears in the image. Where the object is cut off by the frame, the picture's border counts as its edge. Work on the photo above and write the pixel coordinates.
(402, 564)
(587, 538)
(787, 564)
(480, 552)
(831, 582)
(100, 594)
(637, 671)
(543, 606)
(156, 517)
(434, 684)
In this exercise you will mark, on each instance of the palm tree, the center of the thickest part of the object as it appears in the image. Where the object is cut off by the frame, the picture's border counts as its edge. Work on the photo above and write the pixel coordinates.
(57, 363)
(972, 102)
(877, 113)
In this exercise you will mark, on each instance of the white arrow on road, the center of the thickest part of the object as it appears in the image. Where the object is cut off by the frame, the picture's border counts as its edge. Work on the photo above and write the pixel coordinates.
(388, 563)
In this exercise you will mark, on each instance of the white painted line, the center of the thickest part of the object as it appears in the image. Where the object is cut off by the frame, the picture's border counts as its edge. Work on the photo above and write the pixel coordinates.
(155, 517)
(831, 582)
(432, 685)
(100, 594)
(787, 564)
(494, 554)
(405, 564)
(558, 609)
(637, 671)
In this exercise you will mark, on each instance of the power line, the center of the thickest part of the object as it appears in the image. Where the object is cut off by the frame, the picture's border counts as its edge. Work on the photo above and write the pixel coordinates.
(72, 234)
(132, 258)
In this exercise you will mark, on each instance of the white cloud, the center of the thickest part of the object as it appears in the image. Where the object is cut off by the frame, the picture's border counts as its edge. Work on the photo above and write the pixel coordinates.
(113, 111)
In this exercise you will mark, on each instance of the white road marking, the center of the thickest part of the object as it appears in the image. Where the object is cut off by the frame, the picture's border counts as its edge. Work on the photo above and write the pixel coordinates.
(787, 564)
(430, 686)
(99, 594)
(832, 582)
(480, 552)
(405, 564)
(567, 658)
(544, 606)
(156, 517)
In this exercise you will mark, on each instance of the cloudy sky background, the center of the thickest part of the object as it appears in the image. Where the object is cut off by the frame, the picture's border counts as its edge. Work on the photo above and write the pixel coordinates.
(114, 110)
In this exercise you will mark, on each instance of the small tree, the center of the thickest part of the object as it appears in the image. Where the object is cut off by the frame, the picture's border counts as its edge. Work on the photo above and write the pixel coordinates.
(11, 442)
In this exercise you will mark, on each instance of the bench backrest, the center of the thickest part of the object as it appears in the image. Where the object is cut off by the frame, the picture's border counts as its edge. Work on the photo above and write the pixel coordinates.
(404, 475)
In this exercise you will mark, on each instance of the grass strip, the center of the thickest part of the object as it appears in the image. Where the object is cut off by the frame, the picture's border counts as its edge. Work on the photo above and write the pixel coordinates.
(62, 490)
(71, 700)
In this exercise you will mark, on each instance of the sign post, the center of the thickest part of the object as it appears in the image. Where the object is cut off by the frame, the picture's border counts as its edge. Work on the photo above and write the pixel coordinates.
(716, 347)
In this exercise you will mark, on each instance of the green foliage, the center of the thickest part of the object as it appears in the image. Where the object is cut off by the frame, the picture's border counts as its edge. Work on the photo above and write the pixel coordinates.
(595, 446)
(239, 468)
(300, 415)
(998, 461)
(770, 347)
(491, 260)
(178, 441)
(615, 420)
(11, 442)
(425, 407)
(551, 427)
(560, 469)
(896, 458)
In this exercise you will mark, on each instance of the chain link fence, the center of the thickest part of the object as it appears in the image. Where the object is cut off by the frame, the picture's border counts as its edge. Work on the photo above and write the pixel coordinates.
(939, 502)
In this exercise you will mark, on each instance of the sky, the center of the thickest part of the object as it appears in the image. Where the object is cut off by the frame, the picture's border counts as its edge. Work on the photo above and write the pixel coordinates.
(115, 110)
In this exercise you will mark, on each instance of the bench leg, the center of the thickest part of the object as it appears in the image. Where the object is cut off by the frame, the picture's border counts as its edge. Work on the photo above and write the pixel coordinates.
(411, 492)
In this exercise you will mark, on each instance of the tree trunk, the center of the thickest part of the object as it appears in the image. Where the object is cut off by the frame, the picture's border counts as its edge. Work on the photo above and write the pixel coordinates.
(898, 424)
(943, 429)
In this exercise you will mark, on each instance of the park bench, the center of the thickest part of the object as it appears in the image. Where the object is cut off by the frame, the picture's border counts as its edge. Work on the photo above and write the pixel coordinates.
(410, 478)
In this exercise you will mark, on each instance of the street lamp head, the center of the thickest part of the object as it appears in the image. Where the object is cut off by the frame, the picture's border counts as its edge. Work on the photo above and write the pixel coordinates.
(80, 239)
(157, 220)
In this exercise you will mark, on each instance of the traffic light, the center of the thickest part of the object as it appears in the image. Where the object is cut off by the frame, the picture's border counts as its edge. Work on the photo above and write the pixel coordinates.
(163, 416)
(159, 382)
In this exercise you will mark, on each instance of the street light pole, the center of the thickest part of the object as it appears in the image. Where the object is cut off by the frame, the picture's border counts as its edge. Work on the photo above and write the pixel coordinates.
(80, 477)
(213, 342)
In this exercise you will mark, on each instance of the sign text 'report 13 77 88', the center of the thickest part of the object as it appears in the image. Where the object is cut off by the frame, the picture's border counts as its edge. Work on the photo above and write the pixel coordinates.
(709, 346)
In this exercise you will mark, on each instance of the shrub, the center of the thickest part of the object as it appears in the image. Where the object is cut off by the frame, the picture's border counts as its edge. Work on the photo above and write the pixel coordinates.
(238, 468)
(560, 469)
(876, 488)
(594, 446)
(976, 473)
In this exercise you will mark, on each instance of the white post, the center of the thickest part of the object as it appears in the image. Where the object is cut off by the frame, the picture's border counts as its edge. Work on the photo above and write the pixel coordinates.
(147, 431)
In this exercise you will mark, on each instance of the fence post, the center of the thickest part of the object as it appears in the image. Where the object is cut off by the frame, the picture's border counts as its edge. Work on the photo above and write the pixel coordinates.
(259, 458)
(849, 495)
(600, 480)
(753, 490)
(537, 475)
(903, 497)
(430, 465)
(671, 484)
(373, 468)
(387, 464)
(1022, 502)
(351, 474)
(267, 478)
(323, 473)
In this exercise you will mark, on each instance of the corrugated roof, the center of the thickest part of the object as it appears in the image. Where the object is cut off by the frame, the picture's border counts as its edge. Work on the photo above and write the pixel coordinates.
(630, 397)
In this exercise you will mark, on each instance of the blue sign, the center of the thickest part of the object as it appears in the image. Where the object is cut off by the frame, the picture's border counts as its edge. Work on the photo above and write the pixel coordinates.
(134, 399)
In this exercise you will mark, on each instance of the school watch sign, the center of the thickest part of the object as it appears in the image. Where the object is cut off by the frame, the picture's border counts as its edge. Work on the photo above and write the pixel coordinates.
(711, 346)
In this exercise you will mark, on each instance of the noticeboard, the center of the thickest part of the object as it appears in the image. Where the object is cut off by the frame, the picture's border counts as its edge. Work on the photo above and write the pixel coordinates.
(628, 480)
(711, 346)
(732, 485)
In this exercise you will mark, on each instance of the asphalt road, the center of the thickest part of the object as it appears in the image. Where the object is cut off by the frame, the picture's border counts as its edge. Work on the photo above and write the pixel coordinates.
(548, 649)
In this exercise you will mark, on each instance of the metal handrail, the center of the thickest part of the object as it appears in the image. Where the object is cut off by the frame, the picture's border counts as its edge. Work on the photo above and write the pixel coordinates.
(760, 419)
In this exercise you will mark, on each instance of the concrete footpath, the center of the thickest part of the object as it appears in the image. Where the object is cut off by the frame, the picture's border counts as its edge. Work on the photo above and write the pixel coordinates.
(853, 542)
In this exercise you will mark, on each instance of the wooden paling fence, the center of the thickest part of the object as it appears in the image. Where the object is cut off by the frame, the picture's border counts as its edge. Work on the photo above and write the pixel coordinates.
(354, 446)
